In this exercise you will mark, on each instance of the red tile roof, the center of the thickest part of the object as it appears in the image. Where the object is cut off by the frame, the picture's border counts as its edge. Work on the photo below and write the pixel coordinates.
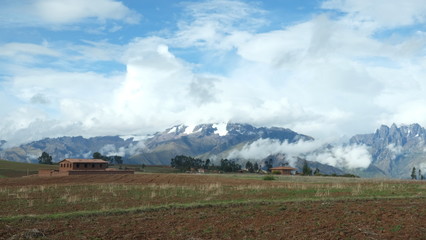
(76, 160)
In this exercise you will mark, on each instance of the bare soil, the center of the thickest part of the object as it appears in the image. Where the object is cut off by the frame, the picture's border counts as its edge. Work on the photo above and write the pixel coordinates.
(386, 218)
(372, 219)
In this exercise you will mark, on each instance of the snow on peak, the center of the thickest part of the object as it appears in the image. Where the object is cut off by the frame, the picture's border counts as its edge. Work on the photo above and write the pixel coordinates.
(189, 129)
(220, 129)
(172, 130)
(176, 129)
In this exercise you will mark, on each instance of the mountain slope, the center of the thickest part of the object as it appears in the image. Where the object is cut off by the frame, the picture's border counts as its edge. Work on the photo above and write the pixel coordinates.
(209, 140)
(64, 147)
(396, 150)
(197, 141)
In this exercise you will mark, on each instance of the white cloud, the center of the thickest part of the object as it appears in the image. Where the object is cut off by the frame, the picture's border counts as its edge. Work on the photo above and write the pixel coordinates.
(325, 76)
(14, 49)
(65, 12)
(218, 24)
(263, 148)
(381, 13)
(352, 156)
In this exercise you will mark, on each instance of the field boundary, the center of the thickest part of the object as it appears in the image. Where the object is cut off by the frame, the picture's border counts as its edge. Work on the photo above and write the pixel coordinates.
(121, 211)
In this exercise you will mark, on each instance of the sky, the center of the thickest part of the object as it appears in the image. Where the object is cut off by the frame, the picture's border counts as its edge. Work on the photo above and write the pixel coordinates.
(329, 69)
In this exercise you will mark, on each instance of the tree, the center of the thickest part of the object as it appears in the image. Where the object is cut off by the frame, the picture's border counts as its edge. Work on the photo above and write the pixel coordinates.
(185, 163)
(256, 167)
(97, 155)
(420, 174)
(207, 164)
(117, 159)
(413, 173)
(306, 170)
(45, 158)
(249, 166)
(317, 171)
(269, 164)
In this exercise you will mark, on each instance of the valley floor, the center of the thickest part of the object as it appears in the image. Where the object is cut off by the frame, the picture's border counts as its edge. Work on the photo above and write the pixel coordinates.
(180, 206)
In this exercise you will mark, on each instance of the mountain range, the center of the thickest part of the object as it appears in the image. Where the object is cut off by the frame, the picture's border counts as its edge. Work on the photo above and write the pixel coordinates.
(394, 150)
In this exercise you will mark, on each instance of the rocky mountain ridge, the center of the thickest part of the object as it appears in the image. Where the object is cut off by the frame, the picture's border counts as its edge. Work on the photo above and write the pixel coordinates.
(396, 150)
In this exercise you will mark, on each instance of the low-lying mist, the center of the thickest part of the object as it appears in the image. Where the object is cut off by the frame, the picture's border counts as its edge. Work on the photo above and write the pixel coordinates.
(342, 156)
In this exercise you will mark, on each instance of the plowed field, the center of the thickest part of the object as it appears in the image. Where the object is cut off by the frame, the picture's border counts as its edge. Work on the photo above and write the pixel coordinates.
(174, 206)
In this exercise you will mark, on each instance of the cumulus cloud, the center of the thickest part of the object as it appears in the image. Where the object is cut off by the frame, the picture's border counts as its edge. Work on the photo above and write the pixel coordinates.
(328, 75)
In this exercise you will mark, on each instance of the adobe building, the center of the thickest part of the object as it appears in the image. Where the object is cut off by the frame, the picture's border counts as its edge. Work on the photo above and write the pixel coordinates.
(73, 166)
(284, 170)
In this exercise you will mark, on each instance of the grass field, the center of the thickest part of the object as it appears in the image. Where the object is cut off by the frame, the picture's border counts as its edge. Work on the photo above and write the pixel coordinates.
(252, 207)
(17, 169)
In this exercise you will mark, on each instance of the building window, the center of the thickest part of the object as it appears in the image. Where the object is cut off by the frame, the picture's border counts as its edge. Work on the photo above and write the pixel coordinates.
(93, 165)
(78, 165)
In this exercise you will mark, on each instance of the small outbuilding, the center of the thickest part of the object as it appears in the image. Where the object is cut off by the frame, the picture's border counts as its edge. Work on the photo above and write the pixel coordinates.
(284, 170)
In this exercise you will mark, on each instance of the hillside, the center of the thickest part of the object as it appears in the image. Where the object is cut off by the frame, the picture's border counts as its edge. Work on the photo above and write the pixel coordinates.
(201, 140)
(208, 140)
(65, 147)
(18, 169)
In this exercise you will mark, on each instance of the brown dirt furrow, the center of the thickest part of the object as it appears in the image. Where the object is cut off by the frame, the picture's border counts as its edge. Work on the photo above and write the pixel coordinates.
(360, 219)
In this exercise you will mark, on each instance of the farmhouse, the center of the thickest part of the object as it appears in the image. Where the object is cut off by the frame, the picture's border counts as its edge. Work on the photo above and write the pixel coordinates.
(72, 166)
(284, 170)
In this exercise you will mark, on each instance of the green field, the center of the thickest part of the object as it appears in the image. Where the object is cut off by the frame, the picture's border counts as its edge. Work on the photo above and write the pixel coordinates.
(17, 169)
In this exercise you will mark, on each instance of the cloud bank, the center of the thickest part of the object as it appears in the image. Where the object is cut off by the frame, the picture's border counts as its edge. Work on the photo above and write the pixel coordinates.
(345, 70)
(349, 156)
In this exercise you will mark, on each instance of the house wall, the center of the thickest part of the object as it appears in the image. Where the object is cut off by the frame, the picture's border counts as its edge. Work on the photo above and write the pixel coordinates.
(68, 166)
(283, 171)
(87, 172)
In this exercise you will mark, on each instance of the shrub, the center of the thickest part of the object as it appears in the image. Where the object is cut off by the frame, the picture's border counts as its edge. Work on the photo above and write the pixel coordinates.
(268, 178)
(276, 172)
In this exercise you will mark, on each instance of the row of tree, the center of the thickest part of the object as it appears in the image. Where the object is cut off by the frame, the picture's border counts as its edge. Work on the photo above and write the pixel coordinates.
(45, 158)
(186, 163)
(414, 175)
(111, 159)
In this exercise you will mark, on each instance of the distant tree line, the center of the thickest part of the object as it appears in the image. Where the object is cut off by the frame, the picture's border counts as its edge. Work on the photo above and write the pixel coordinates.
(111, 159)
(186, 163)
(414, 174)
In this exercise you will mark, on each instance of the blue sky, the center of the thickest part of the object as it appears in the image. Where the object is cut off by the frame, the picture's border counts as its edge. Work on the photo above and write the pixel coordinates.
(328, 68)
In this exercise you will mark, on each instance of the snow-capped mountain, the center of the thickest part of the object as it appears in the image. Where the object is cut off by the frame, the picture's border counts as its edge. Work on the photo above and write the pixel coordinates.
(208, 140)
(203, 139)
